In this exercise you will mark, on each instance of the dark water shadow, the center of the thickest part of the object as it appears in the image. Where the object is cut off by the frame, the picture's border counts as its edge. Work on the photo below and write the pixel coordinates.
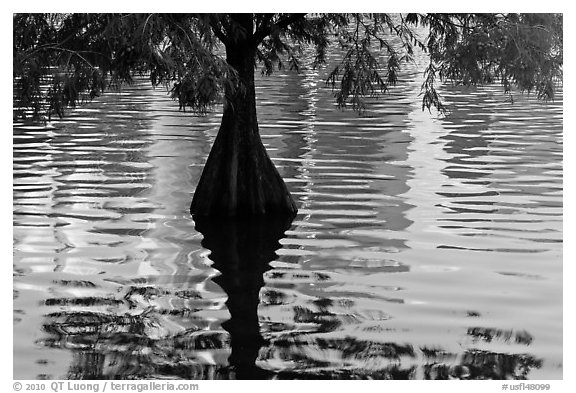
(242, 250)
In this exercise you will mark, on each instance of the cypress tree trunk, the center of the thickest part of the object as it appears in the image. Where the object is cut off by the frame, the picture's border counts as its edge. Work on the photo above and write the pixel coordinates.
(239, 179)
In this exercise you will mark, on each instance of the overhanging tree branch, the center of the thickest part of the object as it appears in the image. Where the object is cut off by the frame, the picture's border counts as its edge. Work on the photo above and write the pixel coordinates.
(523, 50)
(282, 24)
(215, 25)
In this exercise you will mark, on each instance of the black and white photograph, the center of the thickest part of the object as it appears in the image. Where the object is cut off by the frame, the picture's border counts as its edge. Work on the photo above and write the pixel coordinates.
(287, 196)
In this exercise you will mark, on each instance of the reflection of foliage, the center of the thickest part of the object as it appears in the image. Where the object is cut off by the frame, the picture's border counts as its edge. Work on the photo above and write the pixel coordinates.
(392, 372)
(351, 347)
(291, 276)
(198, 340)
(75, 283)
(492, 365)
(478, 364)
(83, 329)
(326, 320)
(273, 297)
(81, 301)
(436, 353)
(135, 344)
(345, 352)
(106, 346)
(348, 354)
(490, 334)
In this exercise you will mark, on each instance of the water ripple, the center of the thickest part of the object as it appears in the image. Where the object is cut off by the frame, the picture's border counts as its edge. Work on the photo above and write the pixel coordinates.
(416, 241)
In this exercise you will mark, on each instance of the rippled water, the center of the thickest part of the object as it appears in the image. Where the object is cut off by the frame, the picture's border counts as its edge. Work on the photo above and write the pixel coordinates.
(424, 248)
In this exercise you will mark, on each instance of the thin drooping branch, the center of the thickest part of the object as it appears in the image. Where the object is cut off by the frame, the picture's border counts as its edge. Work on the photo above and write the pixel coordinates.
(89, 50)
(283, 23)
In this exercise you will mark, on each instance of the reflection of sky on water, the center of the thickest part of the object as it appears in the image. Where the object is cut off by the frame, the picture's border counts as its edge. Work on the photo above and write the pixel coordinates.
(408, 257)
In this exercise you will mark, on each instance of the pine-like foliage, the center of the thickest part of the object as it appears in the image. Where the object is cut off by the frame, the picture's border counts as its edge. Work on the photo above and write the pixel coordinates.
(522, 50)
(61, 60)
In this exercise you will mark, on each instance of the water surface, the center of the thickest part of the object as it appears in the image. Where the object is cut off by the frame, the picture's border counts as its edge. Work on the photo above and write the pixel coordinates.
(424, 248)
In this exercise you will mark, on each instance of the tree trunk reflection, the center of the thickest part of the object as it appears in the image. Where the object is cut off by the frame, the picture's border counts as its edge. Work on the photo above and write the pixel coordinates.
(241, 251)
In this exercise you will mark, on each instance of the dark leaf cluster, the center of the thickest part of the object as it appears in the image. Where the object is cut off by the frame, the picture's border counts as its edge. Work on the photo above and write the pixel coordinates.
(516, 50)
(61, 60)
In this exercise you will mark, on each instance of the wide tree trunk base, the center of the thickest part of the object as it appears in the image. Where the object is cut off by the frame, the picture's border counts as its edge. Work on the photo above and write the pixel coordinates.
(240, 180)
